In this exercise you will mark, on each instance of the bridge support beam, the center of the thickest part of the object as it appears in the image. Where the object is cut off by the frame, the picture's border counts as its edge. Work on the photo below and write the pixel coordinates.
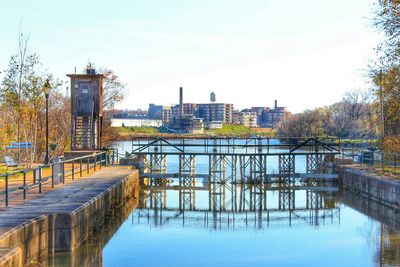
(187, 170)
(217, 169)
(314, 163)
(187, 173)
(258, 169)
(286, 164)
(157, 165)
(253, 169)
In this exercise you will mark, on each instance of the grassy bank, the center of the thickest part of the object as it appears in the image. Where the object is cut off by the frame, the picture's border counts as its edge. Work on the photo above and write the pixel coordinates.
(132, 131)
(242, 131)
(125, 133)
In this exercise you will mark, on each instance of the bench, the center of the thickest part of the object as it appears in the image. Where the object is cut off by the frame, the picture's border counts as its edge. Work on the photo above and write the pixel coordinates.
(10, 162)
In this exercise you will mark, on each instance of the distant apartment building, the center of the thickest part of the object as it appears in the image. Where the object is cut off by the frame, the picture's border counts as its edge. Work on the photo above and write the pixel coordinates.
(235, 117)
(248, 119)
(271, 117)
(259, 111)
(166, 114)
(267, 117)
(188, 109)
(155, 111)
(222, 112)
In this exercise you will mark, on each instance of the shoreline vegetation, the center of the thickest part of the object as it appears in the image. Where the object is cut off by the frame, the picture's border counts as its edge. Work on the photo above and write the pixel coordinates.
(127, 133)
(240, 131)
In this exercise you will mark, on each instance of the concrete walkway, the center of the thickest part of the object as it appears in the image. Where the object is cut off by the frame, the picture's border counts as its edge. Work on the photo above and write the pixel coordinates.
(69, 212)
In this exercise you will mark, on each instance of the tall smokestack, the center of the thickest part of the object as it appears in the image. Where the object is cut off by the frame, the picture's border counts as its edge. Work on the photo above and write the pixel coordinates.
(276, 104)
(180, 102)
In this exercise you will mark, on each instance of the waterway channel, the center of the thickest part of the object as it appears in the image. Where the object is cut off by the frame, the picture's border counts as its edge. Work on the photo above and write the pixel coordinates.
(243, 225)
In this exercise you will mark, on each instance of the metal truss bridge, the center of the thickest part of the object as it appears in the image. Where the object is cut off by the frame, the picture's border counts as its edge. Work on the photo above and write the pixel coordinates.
(235, 160)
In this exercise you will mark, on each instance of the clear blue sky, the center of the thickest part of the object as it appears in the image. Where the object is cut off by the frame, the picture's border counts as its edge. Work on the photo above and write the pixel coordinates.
(305, 53)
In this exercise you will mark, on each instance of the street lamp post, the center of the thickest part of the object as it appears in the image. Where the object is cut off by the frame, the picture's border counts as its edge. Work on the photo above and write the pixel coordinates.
(46, 89)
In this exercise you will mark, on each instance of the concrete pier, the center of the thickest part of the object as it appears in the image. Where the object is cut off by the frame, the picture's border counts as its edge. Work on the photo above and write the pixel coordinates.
(64, 218)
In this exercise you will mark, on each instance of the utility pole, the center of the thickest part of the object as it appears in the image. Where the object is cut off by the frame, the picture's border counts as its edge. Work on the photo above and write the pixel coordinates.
(382, 119)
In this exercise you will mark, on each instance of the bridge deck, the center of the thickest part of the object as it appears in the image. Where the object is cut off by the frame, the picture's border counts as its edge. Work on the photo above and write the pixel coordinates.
(234, 146)
(232, 153)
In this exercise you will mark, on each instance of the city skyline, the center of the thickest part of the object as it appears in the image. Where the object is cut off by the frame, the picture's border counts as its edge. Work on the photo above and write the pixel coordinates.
(267, 105)
(249, 53)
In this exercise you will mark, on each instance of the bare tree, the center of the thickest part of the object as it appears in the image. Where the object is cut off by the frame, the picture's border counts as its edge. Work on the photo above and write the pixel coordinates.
(17, 80)
(114, 88)
(350, 118)
(350, 115)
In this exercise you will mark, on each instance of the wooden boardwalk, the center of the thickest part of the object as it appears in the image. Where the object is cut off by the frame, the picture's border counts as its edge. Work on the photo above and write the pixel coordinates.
(63, 199)
(86, 196)
(15, 184)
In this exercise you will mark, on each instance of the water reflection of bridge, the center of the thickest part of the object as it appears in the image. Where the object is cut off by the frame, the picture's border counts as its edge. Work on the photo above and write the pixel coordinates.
(238, 205)
(235, 160)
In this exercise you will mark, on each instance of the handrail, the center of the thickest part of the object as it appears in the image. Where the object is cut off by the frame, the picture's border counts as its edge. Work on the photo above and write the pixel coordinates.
(382, 161)
(57, 170)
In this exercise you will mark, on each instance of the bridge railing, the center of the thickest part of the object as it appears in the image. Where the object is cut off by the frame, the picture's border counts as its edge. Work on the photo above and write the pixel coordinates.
(16, 185)
(230, 145)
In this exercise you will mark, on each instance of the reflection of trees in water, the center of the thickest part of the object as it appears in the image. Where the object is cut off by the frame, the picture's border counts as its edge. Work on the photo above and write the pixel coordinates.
(388, 253)
(386, 238)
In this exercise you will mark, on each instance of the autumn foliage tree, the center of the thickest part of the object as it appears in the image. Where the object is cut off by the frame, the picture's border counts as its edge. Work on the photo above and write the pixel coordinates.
(386, 73)
(22, 105)
(114, 92)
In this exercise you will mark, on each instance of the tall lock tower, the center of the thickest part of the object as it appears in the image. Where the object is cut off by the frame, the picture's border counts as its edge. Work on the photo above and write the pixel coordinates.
(86, 110)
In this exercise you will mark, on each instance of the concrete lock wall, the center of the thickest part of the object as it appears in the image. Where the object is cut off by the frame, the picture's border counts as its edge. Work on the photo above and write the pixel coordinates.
(36, 238)
(379, 189)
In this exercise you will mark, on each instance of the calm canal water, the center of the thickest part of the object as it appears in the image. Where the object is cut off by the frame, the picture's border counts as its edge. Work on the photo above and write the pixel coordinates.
(243, 226)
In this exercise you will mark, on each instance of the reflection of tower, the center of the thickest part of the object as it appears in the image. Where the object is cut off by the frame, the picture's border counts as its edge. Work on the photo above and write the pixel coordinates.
(86, 110)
